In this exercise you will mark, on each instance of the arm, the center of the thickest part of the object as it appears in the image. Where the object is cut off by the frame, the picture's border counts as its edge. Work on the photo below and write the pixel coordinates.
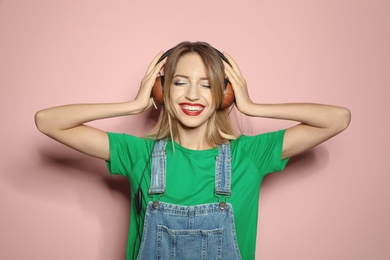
(317, 123)
(66, 124)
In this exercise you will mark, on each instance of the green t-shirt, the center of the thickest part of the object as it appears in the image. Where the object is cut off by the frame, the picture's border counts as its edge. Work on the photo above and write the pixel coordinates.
(191, 174)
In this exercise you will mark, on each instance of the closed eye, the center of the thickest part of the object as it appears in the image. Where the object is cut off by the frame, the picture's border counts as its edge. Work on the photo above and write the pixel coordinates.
(179, 83)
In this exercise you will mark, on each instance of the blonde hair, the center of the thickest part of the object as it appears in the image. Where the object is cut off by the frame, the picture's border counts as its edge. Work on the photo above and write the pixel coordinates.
(219, 129)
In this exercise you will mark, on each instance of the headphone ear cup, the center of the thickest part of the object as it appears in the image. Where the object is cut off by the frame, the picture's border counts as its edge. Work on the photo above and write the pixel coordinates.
(158, 90)
(228, 97)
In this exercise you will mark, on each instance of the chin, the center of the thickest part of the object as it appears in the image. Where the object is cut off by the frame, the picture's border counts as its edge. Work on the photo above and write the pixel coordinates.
(191, 125)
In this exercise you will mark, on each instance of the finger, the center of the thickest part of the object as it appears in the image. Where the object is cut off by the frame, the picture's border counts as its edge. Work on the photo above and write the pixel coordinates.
(237, 81)
(152, 64)
(231, 73)
(234, 64)
(157, 69)
(149, 79)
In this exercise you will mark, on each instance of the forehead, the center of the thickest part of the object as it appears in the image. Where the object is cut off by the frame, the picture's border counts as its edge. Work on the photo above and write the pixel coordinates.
(190, 63)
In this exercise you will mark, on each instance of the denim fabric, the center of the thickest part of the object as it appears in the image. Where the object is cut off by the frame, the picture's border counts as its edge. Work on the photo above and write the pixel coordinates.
(157, 180)
(189, 232)
(223, 170)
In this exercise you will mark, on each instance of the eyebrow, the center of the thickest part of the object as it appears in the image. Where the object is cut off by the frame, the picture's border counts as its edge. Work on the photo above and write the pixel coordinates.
(184, 76)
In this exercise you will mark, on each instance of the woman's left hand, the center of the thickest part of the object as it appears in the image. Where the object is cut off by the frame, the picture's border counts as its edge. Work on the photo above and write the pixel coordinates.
(239, 85)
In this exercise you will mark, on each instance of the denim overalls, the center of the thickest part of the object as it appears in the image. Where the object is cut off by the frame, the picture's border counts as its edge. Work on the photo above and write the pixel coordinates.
(189, 232)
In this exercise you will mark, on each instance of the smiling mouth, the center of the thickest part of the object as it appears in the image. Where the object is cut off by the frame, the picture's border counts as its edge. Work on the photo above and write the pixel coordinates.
(191, 109)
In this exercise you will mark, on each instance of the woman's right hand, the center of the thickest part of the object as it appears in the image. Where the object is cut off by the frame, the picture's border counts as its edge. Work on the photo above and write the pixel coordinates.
(143, 98)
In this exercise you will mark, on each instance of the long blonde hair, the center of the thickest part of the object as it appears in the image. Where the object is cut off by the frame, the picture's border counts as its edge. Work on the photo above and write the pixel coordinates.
(219, 129)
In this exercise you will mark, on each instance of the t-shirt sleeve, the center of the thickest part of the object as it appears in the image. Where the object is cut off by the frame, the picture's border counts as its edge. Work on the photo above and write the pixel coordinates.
(265, 151)
(125, 152)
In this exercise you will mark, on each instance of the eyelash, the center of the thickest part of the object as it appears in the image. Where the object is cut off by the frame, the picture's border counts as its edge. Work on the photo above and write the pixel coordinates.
(179, 83)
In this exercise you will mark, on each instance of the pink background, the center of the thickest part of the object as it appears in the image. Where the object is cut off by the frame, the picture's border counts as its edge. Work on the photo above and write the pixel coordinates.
(330, 203)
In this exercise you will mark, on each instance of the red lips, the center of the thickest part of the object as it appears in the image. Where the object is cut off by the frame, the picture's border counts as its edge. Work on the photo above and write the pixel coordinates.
(191, 109)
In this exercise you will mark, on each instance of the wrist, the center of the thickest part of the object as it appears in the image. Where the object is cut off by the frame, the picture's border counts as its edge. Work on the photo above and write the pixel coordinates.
(248, 108)
(137, 106)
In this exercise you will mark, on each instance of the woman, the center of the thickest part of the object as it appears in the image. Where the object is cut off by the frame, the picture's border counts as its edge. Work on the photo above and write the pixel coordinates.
(183, 196)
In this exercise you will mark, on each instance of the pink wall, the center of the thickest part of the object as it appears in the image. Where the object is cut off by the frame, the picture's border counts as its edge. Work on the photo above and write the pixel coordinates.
(330, 203)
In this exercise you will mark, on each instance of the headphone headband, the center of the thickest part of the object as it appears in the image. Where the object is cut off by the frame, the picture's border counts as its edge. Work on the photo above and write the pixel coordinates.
(166, 54)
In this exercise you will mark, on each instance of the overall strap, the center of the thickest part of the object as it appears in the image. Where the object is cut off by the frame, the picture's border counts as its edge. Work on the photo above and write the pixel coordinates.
(223, 171)
(157, 178)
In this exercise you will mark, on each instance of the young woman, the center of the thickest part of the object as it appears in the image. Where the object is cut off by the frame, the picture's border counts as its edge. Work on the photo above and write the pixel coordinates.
(186, 184)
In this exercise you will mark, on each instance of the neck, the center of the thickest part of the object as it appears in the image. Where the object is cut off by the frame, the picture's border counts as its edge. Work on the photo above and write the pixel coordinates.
(193, 138)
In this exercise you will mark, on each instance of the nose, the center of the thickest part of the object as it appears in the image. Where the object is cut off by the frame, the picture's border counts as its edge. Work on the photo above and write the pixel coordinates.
(192, 92)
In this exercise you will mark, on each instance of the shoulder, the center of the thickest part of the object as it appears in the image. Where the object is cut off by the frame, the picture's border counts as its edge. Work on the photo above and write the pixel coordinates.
(262, 139)
(263, 150)
(127, 140)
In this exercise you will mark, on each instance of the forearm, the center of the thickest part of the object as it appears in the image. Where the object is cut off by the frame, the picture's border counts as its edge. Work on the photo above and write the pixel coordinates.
(69, 116)
(316, 115)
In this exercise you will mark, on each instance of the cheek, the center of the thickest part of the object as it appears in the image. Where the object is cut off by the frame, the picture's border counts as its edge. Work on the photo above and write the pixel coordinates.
(172, 106)
(175, 93)
(208, 97)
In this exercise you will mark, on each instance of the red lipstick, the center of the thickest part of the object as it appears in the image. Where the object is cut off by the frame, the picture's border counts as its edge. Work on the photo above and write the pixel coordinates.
(192, 109)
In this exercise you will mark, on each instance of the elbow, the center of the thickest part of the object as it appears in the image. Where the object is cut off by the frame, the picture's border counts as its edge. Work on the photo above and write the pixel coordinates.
(343, 119)
(39, 119)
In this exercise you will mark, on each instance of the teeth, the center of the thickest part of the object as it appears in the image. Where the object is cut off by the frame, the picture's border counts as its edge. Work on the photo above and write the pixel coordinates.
(192, 108)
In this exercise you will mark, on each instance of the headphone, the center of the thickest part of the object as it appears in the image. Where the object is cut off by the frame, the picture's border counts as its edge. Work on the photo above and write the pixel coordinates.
(158, 88)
